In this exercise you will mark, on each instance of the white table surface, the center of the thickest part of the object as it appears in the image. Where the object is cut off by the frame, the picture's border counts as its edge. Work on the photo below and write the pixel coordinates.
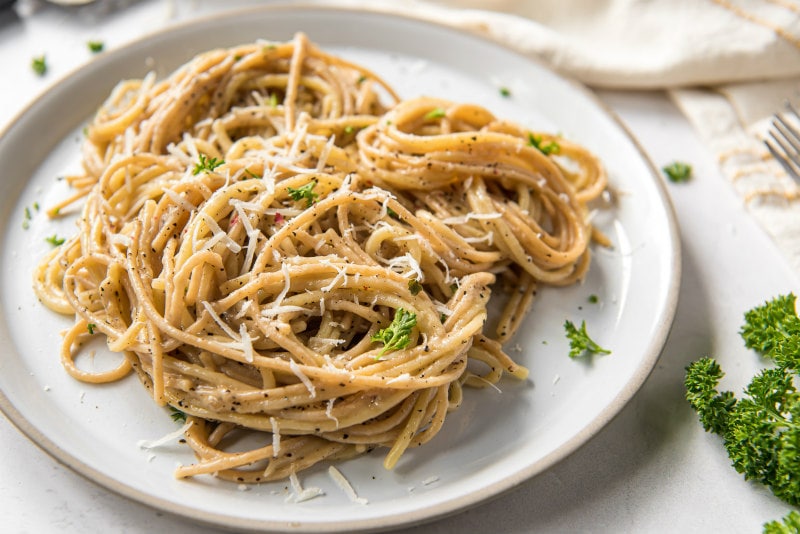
(652, 469)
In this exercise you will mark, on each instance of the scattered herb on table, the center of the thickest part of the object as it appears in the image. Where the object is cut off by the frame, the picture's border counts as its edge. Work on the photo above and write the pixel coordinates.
(95, 47)
(39, 65)
(677, 171)
(580, 342)
(505, 92)
(761, 429)
(398, 334)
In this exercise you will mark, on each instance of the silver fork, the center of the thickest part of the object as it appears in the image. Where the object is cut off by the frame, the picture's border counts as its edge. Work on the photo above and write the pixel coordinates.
(785, 143)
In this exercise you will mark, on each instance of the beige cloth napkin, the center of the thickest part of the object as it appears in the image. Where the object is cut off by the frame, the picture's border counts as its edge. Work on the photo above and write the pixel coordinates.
(728, 64)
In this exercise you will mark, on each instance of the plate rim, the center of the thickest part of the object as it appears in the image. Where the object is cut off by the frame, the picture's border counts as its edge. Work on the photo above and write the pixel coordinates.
(422, 514)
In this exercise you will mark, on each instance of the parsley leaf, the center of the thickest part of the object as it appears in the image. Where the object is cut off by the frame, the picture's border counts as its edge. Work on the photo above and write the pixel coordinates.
(505, 92)
(206, 165)
(580, 342)
(789, 525)
(39, 65)
(414, 286)
(177, 415)
(546, 148)
(90, 327)
(95, 47)
(55, 240)
(397, 335)
(761, 429)
(678, 171)
(304, 192)
(435, 113)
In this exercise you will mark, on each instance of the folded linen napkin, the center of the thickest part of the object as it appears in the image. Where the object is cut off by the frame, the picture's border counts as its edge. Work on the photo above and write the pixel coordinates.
(728, 64)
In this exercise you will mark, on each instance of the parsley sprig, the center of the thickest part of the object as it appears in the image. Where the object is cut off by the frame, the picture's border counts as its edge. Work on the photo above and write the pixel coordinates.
(398, 334)
(760, 429)
(545, 147)
(580, 342)
(678, 171)
(39, 65)
(206, 164)
(789, 525)
(304, 192)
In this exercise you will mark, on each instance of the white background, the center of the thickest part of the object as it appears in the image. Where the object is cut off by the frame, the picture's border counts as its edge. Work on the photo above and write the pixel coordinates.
(652, 469)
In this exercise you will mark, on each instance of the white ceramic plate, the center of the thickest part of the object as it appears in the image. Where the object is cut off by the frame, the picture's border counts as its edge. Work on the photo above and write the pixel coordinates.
(497, 439)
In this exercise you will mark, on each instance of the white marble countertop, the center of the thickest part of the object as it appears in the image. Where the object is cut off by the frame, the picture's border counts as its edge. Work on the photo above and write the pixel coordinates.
(652, 469)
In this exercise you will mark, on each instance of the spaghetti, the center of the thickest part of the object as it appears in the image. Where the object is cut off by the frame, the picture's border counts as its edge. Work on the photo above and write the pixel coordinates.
(279, 245)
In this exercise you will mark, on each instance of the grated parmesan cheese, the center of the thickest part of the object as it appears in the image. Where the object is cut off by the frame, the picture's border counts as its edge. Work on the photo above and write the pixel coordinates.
(303, 378)
(301, 494)
(172, 436)
(345, 486)
(276, 437)
(463, 219)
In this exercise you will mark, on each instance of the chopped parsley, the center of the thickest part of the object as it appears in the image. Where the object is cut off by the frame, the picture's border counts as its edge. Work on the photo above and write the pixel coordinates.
(349, 129)
(760, 429)
(304, 192)
(273, 100)
(677, 171)
(39, 65)
(250, 174)
(505, 92)
(435, 113)
(391, 213)
(95, 47)
(593, 299)
(414, 286)
(546, 148)
(206, 165)
(90, 327)
(55, 240)
(398, 334)
(580, 342)
(177, 415)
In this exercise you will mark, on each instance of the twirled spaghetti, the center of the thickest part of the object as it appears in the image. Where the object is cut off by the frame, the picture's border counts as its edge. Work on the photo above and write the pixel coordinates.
(254, 223)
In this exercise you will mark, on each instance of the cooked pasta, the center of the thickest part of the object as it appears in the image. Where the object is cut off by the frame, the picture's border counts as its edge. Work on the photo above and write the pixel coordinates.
(279, 246)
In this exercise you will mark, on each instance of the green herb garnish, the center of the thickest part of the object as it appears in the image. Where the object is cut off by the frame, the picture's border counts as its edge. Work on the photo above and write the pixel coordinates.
(546, 148)
(206, 165)
(177, 415)
(95, 46)
(761, 429)
(505, 92)
(55, 240)
(789, 525)
(435, 113)
(398, 334)
(391, 213)
(580, 342)
(678, 171)
(593, 299)
(304, 192)
(273, 100)
(90, 327)
(414, 286)
(39, 65)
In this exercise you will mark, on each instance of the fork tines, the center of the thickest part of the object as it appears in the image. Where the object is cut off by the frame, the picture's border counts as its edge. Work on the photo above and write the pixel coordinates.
(785, 143)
